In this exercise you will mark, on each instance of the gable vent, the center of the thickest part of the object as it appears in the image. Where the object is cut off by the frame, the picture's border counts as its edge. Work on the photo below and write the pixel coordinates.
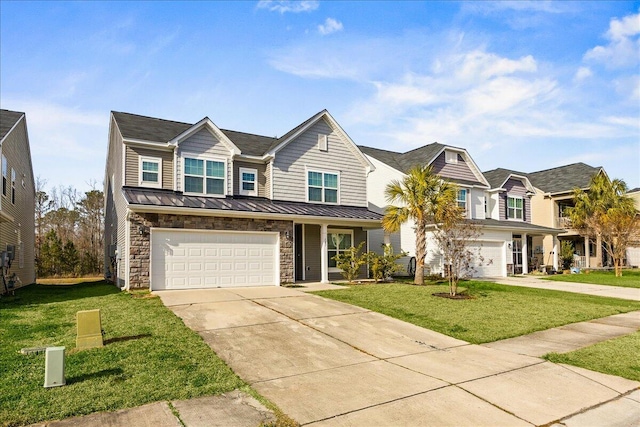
(323, 142)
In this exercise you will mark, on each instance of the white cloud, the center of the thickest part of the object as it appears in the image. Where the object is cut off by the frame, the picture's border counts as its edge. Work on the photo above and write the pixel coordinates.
(582, 74)
(623, 49)
(330, 26)
(284, 6)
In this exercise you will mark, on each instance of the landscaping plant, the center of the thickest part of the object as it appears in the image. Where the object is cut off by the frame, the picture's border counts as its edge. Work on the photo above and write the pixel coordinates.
(383, 266)
(350, 262)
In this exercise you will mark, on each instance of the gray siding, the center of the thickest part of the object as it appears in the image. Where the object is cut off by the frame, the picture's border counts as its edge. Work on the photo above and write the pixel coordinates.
(460, 170)
(291, 163)
(203, 143)
(21, 231)
(515, 188)
(115, 206)
(262, 179)
(132, 165)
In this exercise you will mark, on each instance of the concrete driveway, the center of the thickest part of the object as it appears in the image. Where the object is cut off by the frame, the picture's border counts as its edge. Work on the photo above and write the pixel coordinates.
(326, 363)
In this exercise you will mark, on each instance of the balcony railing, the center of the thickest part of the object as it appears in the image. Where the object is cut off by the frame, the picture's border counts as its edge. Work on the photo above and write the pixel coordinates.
(579, 261)
(563, 222)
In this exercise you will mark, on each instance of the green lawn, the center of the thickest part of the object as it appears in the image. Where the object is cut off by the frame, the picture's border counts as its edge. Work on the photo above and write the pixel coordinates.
(149, 354)
(619, 356)
(497, 312)
(629, 279)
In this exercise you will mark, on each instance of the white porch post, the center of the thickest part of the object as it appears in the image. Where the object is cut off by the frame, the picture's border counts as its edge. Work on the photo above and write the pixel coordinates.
(555, 252)
(525, 255)
(387, 238)
(586, 252)
(324, 260)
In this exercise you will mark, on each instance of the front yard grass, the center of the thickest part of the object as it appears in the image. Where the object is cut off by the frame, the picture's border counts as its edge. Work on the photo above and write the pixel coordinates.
(618, 356)
(629, 279)
(149, 355)
(497, 311)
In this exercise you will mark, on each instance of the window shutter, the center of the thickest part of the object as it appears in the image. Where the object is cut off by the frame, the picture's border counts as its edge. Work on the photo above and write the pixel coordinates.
(506, 206)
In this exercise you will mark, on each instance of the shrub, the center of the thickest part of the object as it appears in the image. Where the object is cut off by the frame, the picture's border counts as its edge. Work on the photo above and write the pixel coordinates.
(383, 266)
(350, 262)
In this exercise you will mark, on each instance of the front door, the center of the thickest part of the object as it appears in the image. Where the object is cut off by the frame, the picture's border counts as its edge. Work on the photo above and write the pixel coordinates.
(517, 254)
(297, 250)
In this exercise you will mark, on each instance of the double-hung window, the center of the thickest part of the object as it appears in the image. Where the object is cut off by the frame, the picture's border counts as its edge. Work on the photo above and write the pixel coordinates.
(13, 186)
(338, 241)
(151, 172)
(204, 176)
(322, 187)
(248, 182)
(462, 199)
(5, 180)
(514, 207)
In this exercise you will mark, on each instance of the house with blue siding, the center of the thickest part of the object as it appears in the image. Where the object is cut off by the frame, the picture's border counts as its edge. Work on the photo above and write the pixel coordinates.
(191, 205)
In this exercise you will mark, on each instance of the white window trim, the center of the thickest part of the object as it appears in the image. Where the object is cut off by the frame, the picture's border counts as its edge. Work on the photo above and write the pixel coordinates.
(331, 231)
(306, 184)
(204, 183)
(515, 209)
(143, 183)
(451, 157)
(466, 199)
(241, 181)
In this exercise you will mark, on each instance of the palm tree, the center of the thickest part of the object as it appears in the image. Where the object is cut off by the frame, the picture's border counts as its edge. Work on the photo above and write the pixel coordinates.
(423, 197)
(605, 211)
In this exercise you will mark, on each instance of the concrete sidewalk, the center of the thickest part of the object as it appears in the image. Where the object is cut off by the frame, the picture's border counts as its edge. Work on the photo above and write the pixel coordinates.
(328, 363)
(580, 288)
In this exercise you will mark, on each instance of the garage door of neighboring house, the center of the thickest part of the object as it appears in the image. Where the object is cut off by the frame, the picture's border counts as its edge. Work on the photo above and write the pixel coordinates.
(633, 257)
(183, 259)
(493, 255)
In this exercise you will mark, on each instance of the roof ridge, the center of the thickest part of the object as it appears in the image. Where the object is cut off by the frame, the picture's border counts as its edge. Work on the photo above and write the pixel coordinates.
(156, 118)
(248, 133)
(566, 166)
(12, 111)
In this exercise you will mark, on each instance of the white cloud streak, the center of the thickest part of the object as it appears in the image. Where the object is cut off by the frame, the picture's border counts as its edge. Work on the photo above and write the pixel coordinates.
(623, 49)
(330, 26)
(288, 6)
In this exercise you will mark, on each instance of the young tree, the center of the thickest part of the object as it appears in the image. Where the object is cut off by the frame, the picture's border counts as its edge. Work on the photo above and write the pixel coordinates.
(605, 211)
(453, 234)
(421, 196)
(350, 261)
(383, 266)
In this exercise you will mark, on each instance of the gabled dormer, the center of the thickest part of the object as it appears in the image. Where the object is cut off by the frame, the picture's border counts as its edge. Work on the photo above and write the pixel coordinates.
(510, 195)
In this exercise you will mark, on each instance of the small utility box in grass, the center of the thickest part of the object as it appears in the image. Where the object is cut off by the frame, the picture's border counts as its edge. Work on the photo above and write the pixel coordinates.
(89, 329)
(54, 367)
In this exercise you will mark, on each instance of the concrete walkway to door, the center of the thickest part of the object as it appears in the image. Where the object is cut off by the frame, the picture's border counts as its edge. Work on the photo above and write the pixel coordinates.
(326, 363)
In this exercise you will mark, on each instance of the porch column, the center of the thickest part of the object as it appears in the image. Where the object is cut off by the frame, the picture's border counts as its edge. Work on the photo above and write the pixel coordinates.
(586, 252)
(324, 260)
(387, 238)
(555, 252)
(525, 254)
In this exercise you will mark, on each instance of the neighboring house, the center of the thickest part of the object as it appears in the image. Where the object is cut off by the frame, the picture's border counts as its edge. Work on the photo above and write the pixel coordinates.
(500, 206)
(17, 200)
(196, 206)
(553, 195)
(633, 251)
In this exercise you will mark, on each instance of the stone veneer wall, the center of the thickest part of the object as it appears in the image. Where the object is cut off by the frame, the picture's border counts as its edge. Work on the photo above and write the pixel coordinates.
(140, 247)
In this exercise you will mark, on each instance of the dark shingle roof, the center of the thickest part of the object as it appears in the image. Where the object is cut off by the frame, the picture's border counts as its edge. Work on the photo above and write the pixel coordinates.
(250, 144)
(8, 119)
(497, 177)
(564, 178)
(256, 205)
(148, 128)
(404, 161)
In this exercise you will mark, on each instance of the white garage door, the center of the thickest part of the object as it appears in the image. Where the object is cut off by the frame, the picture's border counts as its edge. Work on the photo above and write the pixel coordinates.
(633, 257)
(183, 259)
(493, 255)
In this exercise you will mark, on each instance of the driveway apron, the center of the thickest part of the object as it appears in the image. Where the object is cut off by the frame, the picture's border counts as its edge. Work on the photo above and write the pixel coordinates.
(324, 362)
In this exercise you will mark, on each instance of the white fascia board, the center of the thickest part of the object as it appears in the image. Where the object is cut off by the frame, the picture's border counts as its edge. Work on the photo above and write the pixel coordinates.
(148, 144)
(522, 178)
(300, 219)
(250, 159)
(336, 127)
(208, 124)
(15, 125)
(474, 168)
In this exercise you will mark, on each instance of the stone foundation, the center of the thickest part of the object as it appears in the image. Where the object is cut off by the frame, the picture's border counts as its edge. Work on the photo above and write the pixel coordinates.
(140, 245)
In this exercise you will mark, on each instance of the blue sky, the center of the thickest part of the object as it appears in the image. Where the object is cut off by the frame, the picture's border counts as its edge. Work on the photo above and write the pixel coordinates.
(521, 85)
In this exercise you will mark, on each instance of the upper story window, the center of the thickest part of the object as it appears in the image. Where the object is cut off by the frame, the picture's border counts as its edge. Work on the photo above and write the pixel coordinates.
(150, 172)
(322, 187)
(450, 157)
(462, 199)
(248, 182)
(5, 178)
(13, 186)
(515, 207)
(204, 176)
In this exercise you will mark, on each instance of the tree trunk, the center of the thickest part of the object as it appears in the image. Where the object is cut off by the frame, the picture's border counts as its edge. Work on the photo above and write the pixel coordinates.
(617, 265)
(421, 249)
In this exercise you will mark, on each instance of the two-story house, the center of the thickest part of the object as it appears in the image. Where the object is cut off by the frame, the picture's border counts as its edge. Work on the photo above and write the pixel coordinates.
(554, 194)
(17, 202)
(633, 251)
(499, 206)
(196, 206)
